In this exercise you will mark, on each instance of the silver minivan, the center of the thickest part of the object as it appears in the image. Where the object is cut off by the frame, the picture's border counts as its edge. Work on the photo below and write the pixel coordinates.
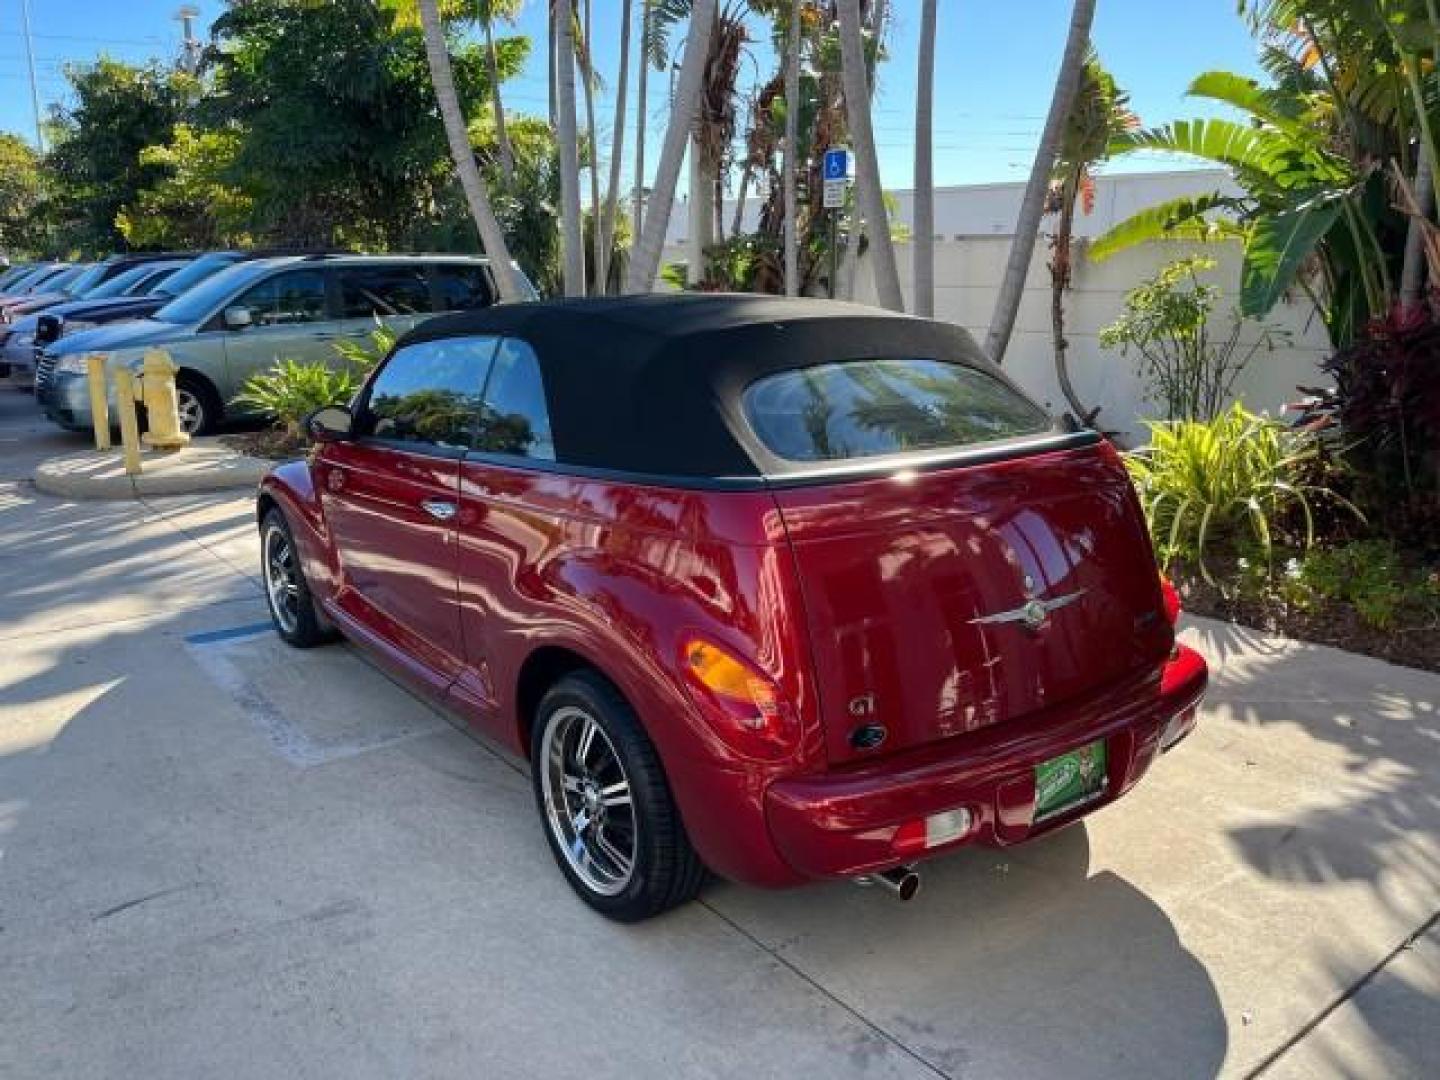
(246, 318)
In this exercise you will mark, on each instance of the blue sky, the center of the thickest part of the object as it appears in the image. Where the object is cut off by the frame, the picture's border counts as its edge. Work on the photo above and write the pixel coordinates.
(994, 71)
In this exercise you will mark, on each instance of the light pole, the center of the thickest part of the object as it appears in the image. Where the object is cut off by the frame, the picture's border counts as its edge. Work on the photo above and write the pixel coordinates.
(34, 90)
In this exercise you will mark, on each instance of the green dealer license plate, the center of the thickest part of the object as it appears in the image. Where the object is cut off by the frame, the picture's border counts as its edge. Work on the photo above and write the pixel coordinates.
(1070, 780)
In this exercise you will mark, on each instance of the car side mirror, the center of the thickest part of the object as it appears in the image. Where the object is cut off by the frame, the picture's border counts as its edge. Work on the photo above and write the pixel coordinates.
(47, 329)
(330, 424)
(237, 318)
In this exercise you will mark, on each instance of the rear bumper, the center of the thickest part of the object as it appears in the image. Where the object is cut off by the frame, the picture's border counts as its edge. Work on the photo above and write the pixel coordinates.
(843, 823)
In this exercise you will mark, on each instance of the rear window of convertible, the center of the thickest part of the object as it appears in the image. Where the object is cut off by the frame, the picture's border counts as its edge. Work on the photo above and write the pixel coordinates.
(869, 408)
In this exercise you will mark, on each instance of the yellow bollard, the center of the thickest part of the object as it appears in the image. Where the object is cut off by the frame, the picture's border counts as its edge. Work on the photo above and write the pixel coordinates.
(162, 410)
(129, 426)
(99, 403)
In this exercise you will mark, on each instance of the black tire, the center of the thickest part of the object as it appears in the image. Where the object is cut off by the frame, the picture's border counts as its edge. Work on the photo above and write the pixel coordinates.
(302, 627)
(206, 400)
(666, 871)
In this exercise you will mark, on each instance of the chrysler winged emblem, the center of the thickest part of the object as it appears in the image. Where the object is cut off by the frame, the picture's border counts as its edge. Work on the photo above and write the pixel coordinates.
(1032, 613)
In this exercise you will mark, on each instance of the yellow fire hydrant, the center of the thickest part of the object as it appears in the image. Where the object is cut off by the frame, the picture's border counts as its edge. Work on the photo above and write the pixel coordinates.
(162, 407)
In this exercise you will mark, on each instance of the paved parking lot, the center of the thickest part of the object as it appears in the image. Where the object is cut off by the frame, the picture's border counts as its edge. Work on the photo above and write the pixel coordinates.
(221, 856)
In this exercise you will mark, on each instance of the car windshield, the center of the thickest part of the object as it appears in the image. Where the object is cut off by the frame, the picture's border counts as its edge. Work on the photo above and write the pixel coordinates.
(200, 301)
(189, 276)
(117, 285)
(869, 408)
(85, 280)
(43, 276)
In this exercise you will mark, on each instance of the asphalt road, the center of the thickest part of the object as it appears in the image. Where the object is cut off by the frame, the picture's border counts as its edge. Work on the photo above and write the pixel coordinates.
(219, 856)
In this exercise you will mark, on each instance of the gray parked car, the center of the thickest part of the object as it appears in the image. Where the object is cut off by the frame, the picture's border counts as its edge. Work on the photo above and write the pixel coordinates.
(246, 318)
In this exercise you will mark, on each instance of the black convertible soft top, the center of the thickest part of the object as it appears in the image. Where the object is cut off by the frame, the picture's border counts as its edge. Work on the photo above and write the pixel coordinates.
(651, 384)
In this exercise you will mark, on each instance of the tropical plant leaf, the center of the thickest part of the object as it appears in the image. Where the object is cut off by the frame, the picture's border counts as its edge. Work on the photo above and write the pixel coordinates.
(1247, 95)
(1225, 484)
(665, 16)
(1224, 142)
(1278, 245)
(1186, 218)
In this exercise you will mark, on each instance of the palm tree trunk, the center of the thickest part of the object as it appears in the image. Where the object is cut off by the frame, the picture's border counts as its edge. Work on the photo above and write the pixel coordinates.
(491, 236)
(1032, 206)
(702, 213)
(617, 151)
(642, 102)
(924, 233)
(737, 222)
(502, 137)
(791, 160)
(1413, 275)
(869, 197)
(552, 48)
(1059, 283)
(572, 235)
(646, 261)
(589, 72)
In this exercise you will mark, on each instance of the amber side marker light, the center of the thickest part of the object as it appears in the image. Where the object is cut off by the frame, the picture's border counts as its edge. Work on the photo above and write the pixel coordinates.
(1172, 599)
(744, 707)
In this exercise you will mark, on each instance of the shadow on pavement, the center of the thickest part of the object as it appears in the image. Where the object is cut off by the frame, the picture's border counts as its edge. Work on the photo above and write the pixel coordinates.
(1009, 963)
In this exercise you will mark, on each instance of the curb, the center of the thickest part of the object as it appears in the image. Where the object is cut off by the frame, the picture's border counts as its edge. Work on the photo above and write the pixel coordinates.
(100, 475)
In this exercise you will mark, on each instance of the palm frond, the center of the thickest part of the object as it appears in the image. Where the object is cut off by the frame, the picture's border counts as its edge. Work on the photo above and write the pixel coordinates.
(1204, 218)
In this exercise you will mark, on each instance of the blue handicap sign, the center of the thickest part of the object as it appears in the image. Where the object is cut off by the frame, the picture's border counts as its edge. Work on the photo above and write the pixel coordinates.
(837, 164)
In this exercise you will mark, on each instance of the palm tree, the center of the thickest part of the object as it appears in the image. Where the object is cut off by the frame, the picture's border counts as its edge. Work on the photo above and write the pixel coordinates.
(491, 237)
(924, 239)
(1413, 274)
(487, 11)
(571, 229)
(792, 150)
(1099, 116)
(617, 151)
(869, 197)
(646, 260)
(586, 58)
(642, 103)
(1032, 206)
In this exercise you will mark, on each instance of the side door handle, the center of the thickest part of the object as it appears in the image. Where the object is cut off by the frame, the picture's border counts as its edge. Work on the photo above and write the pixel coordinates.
(439, 509)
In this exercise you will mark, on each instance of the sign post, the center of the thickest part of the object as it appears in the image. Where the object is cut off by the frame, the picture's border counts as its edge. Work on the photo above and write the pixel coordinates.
(836, 174)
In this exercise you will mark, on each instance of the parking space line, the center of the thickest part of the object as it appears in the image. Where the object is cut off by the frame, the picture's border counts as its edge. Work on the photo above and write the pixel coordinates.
(231, 633)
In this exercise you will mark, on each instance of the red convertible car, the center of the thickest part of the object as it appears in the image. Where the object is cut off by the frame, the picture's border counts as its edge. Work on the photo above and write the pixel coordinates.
(784, 589)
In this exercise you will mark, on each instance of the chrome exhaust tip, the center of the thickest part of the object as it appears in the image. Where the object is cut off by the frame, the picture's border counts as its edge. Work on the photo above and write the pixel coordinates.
(902, 881)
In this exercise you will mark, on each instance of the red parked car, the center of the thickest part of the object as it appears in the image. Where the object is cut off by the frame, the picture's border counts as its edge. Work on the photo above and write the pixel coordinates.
(786, 589)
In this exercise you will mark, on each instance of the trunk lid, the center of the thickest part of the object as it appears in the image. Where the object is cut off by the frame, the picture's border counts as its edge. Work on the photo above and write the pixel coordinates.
(916, 589)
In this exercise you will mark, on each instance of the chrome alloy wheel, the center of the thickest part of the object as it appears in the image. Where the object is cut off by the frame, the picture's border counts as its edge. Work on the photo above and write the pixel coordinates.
(282, 579)
(190, 409)
(588, 805)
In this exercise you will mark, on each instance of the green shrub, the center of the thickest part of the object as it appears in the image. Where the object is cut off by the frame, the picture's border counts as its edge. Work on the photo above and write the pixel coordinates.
(364, 355)
(1371, 576)
(1189, 369)
(1226, 483)
(291, 390)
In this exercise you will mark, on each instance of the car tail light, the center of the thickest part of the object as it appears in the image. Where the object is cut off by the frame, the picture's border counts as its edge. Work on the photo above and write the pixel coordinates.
(744, 707)
(1172, 599)
(937, 830)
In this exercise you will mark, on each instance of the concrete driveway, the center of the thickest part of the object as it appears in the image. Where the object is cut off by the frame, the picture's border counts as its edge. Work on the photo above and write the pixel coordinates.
(222, 857)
